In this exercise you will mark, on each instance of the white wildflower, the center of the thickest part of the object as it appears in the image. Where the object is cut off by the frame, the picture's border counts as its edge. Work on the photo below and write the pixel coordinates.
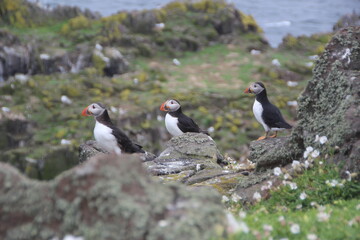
(257, 196)
(71, 237)
(292, 83)
(267, 228)
(295, 164)
(311, 236)
(295, 228)
(308, 151)
(176, 62)
(298, 207)
(136, 81)
(224, 199)
(235, 197)
(317, 138)
(303, 196)
(306, 164)
(287, 176)
(323, 216)
(313, 204)
(5, 109)
(323, 139)
(309, 64)
(211, 129)
(44, 56)
(242, 214)
(348, 176)
(292, 103)
(314, 57)
(332, 183)
(281, 218)
(315, 154)
(358, 207)
(65, 142)
(255, 52)
(292, 185)
(163, 223)
(277, 171)
(321, 162)
(351, 222)
(276, 62)
(65, 99)
(236, 226)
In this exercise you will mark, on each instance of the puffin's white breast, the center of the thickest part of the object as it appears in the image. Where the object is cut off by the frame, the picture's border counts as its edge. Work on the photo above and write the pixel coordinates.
(258, 110)
(171, 125)
(104, 137)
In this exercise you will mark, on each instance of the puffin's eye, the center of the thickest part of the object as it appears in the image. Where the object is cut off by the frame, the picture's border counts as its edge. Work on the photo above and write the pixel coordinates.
(172, 102)
(93, 106)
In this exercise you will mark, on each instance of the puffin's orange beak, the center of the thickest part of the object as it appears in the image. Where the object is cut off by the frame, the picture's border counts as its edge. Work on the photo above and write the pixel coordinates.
(163, 107)
(247, 90)
(85, 112)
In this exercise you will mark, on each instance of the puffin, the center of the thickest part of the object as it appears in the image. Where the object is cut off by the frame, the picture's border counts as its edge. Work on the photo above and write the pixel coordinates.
(176, 121)
(267, 114)
(107, 135)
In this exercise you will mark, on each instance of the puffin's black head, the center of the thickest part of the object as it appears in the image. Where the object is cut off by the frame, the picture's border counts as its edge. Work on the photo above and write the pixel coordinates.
(256, 88)
(94, 109)
(170, 105)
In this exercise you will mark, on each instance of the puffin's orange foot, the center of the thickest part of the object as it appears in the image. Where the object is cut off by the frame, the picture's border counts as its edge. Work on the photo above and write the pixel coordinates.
(261, 138)
(273, 136)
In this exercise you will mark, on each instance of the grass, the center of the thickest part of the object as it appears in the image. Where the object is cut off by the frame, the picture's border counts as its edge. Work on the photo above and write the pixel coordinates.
(329, 210)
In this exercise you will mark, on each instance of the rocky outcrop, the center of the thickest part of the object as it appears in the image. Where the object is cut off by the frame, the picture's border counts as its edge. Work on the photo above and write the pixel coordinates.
(329, 106)
(347, 20)
(16, 58)
(105, 198)
(192, 159)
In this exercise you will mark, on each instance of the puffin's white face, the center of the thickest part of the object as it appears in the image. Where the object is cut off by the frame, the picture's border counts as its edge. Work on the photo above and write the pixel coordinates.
(94, 109)
(170, 105)
(255, 88)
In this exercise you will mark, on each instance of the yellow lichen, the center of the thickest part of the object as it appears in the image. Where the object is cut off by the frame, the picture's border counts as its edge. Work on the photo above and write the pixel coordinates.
(76, 23)
(249, 23)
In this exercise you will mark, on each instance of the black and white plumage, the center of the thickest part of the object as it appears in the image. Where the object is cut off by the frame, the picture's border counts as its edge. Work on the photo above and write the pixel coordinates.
(107, 135)
(267, 114)
(176, 121)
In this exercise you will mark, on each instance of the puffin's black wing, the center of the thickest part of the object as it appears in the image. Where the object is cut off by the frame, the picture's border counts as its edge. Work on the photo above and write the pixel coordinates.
(273, 118)
(125, 144)
(186, 124)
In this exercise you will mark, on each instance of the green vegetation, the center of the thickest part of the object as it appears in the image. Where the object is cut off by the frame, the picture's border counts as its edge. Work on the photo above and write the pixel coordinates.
(323, 206)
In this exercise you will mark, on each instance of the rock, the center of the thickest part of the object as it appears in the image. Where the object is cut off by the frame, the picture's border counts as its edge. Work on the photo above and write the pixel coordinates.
(329, 106)
(117, 64)
(347, 20)
(104, 198)
(89, 149)
(189, 151)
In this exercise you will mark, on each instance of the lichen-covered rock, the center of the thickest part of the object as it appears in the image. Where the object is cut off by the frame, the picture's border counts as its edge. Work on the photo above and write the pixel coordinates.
(329, 106)
(104, 198)
(189, 151)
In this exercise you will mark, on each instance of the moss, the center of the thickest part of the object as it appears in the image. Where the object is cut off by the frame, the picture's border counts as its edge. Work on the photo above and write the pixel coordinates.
(208, 6)
(249, 23)
(98, 63)
(174, 8)
(76, 23)
(15, 13)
